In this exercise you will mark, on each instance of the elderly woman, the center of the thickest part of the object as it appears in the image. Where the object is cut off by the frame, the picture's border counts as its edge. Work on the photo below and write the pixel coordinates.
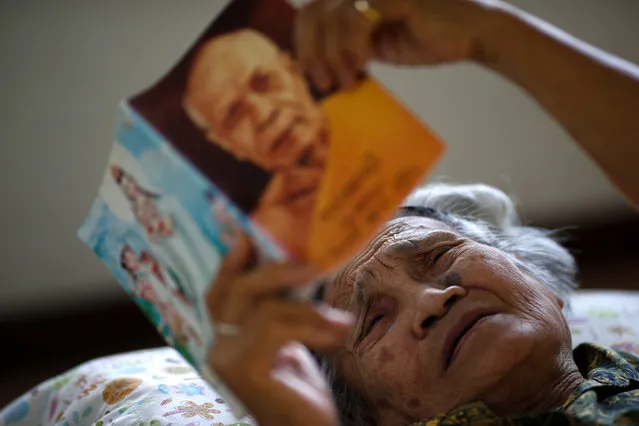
(455, 317)
(453, 313)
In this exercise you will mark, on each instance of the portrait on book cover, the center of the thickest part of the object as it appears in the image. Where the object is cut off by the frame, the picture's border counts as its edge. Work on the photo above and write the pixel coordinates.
(250, 98)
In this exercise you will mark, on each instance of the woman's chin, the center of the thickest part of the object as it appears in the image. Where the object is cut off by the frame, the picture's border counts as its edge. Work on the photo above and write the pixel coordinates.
(483, 365)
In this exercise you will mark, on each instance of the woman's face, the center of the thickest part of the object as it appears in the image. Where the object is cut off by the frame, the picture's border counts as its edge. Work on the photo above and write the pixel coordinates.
(130, 260)
(443, 320)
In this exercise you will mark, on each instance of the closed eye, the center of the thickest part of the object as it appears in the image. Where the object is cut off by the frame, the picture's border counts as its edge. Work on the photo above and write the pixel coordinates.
(370, 326)
(438, 256)
(375, 321)
(376, 316)
(424, 265)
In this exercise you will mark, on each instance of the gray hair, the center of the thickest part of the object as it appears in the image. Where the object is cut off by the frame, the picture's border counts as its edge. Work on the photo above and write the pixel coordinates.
(486, 215)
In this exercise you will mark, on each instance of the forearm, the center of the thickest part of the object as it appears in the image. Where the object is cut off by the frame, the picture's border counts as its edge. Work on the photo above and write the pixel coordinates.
(594, 95)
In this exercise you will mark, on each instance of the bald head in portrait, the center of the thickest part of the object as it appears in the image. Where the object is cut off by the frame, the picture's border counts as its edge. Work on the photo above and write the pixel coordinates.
(249, 98)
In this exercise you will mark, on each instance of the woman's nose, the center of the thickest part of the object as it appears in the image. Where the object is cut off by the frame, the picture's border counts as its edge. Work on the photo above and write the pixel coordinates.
(431, 305)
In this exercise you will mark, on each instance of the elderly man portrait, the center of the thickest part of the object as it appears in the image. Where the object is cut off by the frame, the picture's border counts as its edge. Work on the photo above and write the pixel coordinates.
(250, 98)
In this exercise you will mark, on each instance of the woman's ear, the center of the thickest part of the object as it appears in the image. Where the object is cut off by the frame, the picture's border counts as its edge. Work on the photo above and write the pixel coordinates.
(554, 297)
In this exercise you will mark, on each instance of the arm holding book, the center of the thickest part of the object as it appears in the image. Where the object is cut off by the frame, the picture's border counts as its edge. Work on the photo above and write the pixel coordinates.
(594, 95)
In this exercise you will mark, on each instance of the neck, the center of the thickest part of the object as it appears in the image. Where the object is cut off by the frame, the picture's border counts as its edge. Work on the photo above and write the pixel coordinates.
(557, 393)
(549, 396)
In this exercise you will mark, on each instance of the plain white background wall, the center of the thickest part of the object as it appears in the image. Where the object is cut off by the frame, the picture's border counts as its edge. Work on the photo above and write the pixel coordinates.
(66, 64)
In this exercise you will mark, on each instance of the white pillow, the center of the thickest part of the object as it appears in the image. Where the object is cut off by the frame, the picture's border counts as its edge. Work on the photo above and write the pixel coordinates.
(607, 318)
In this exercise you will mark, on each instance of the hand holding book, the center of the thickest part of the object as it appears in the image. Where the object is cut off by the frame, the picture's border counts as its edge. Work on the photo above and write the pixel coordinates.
(335, 40)
(267, 363)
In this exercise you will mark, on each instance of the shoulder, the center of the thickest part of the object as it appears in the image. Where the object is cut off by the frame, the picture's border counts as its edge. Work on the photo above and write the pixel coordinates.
(593, 360)
(612, 385)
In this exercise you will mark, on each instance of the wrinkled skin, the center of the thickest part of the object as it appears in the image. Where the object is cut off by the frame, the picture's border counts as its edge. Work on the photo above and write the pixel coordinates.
(413, 290)
(257, 106)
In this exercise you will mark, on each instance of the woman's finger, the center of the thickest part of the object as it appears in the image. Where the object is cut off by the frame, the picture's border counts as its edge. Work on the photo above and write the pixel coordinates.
(290, 311)
(233, 266)
(273, 325)
(296, 356)
(308, 44)
(287, 311)
(326, 332)
(347, 43)
(230, 299)
(394, 43)
(333, 37)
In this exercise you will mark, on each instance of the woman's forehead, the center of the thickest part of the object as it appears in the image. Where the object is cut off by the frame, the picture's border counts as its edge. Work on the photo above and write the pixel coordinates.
(340, 286)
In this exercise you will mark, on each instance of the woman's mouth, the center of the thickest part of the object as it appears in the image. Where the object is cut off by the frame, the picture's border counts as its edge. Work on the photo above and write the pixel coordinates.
(460, 333)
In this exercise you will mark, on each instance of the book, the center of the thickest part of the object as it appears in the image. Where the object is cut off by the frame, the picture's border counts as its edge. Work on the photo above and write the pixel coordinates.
(234, 159)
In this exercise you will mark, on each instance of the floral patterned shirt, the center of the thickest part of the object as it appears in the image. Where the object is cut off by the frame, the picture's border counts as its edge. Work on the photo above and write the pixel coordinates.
(609, 396)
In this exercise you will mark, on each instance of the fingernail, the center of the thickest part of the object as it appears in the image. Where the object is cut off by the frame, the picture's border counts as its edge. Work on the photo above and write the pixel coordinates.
(337, 315)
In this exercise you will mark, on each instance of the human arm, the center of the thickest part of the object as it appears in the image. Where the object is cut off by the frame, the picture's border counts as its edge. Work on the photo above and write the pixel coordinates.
(592, 94)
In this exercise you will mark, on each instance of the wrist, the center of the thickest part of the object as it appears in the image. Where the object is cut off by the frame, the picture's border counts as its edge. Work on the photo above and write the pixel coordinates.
(497, 28)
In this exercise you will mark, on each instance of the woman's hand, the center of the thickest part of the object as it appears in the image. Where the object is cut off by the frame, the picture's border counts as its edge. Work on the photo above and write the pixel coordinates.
(267, 365)
(334, 40)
